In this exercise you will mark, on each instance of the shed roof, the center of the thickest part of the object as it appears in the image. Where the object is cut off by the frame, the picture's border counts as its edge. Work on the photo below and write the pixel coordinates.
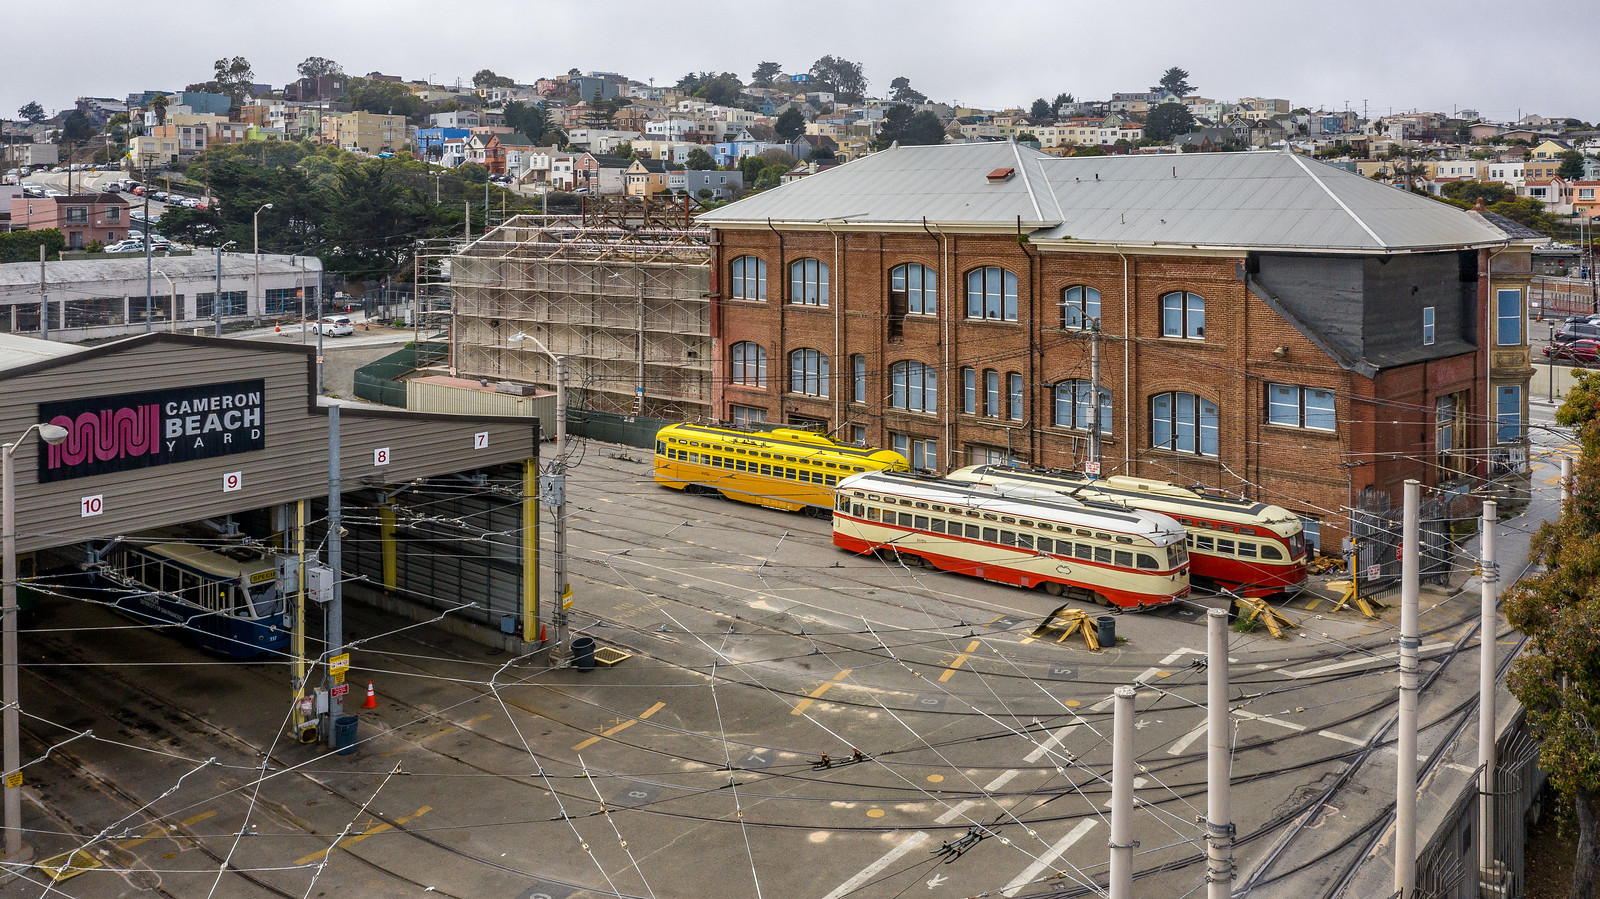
(23, 274)
(1266, 200)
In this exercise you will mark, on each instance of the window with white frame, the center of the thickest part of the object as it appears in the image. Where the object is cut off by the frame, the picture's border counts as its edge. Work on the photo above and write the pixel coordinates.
(748, 416)
(808, 373)
(748, 364)
(969, 391)
(1183, 423)
(1080, 306)
(992, 294)
(1508, 413)
(1183, 314)
(858, 435)
(748, 279)
(1073, 409)
(1427, 326)
(858, 378)
(1300, 407)
(1014, 400)
(808, 282)
(991, 393)
(914, 387)
(913, 290)
(921, 452)
(1508, 316)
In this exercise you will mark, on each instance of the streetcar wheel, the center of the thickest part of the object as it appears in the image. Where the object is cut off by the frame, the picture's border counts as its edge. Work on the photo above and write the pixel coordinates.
(1053, 588)
(1100, 599)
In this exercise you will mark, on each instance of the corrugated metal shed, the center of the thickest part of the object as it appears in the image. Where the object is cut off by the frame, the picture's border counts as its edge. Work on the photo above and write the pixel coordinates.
(1252, 200)
(200, 265)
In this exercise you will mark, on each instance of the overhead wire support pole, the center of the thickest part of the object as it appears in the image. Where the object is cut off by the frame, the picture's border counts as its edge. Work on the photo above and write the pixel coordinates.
(1094, 393)
(562, 653)
(1405, 837)
(1120, 883)
(1219, 815)
(1488, 629)
(333, 621)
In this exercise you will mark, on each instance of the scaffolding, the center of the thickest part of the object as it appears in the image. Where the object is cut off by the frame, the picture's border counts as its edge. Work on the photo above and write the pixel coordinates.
(624, 298)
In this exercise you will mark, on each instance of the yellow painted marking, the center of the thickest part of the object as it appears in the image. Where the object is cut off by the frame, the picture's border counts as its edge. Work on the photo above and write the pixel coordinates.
(158, 832)
(802, 705)
(349, 841)
(1312, 605)
(935, 778)
(1073, 703)
(959, 660)
(620, 727)
(1026, 640)
(874, 813)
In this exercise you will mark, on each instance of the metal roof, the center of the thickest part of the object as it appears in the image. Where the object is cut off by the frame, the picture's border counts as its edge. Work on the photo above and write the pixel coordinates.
(17, 350)
(201, 264)
(1250, 200)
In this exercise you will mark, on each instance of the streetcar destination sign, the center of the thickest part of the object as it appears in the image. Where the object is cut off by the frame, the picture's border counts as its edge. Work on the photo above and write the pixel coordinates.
(154, 427)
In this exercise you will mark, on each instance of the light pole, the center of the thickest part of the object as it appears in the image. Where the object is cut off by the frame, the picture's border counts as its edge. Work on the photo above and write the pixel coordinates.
(553, 494)
(216, 299)
(51, 434)
(172, 302)
(255, 248)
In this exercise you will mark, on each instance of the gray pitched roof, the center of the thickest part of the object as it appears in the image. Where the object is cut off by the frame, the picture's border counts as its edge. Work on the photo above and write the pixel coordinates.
(1251, 200)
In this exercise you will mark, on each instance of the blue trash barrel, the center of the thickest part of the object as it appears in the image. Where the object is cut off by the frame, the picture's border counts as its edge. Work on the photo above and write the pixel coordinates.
(344, 734)
(583, 653)
(1105, 630)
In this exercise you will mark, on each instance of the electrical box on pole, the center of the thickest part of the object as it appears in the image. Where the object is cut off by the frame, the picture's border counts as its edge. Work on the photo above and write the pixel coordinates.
(320, 583)
(552, 490)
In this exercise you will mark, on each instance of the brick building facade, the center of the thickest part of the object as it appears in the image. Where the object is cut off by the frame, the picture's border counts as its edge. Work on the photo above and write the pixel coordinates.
(1289, 335)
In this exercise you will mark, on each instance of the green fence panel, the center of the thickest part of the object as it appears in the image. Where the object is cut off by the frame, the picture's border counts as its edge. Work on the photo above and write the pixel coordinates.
(380, 381)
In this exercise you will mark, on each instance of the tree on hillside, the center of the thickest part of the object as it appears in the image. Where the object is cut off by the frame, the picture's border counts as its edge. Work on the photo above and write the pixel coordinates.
(1167, 121)
(1571, 166)
(692, 82)
(1558, 607)
(901, 91)
(234, 77)
(764, 73)
(76, 127)
(316, 67)
(158, 105)
(1060, 101)
(841, 75)
(1468, 193)
(1041, 109)
(1527, 211)
(32, 112)
(383, 97)
(791, 123)
(487, 78)
(530, 119)
(722, 90)
(1175, 80)
(901, 125)
(699, 160)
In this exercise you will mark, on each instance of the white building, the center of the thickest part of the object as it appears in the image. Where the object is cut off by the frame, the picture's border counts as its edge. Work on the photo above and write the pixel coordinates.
(95, 298)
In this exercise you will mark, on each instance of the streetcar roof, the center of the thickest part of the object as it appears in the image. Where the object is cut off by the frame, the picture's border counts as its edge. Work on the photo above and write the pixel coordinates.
(821, 443)
(1148, 524)
(204, 559)
(1082, 486)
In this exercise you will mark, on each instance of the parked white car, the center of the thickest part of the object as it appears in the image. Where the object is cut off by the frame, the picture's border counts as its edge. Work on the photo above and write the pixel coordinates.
(337, 326)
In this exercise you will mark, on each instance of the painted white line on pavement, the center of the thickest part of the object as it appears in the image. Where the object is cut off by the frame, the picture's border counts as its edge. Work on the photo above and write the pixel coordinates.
(1050, 855)
(1182, 743)
(1002, 780)
(1364, 660)
(955, 811)
(1341, 737)
(1054, 740)
(871, 871)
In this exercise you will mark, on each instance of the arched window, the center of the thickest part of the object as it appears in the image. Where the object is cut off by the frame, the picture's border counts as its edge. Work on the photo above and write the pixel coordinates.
(914, 387)
(808, 282)
(1183, 314)
(747, 363)
(808, 373)
(913, 290)
(992, 294)
(1073, 409)
(1079, 306)
(748, 279)
(1183, 423)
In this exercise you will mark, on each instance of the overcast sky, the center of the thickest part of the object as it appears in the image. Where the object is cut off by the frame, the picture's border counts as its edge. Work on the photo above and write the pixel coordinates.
(1387, 54)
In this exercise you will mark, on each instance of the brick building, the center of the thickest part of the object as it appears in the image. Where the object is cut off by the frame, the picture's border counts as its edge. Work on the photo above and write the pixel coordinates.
(1267, 325)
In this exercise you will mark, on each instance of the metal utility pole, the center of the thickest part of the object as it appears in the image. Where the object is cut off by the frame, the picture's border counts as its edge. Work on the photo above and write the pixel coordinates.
(1094, 395)
(303, 337)
(638, 407)
(1122, 843)
(148, 264)
(556, 498)
(1405, 821)
(333, 621)
(44, 300)
(216, 299)
(1488, 629)
(1219, 815)
(255, 248)
(468, 206)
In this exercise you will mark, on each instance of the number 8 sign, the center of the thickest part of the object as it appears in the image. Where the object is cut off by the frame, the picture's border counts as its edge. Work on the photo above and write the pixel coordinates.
(380, 456)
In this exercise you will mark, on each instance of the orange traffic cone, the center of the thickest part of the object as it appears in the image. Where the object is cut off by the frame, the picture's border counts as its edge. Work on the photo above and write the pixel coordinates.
(372, 697)
(541, 634)
(277, 327)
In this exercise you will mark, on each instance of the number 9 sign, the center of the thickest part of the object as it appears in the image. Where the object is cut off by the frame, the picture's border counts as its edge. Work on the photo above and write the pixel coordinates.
(233, 480)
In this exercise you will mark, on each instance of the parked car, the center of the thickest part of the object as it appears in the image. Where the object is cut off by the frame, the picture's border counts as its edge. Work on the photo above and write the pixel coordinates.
(336, 326)
(1576, 330)
(1583, 351)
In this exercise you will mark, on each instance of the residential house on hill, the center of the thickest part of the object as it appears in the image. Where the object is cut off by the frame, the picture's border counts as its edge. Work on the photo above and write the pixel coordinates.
(82, 219)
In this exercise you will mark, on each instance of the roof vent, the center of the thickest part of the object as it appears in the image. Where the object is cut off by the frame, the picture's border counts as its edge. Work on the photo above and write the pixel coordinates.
(1000, 176)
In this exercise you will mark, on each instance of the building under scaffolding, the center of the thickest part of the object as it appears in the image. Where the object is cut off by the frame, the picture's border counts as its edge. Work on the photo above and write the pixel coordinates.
(624, 298)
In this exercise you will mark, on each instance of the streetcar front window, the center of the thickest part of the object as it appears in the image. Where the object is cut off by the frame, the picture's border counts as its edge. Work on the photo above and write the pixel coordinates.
(266, 600)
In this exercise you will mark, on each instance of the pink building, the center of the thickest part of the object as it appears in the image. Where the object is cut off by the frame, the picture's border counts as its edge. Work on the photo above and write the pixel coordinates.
(82, 219)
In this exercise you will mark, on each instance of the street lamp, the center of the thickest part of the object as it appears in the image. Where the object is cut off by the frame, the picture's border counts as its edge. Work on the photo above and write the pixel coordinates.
(553, 486)
(256, 248)
(51, 434)
(216, 298)
(172, 304)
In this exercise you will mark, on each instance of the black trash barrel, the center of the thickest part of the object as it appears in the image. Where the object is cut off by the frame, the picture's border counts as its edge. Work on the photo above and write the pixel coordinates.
(583, 653)
(1105, 630)
(344, 734)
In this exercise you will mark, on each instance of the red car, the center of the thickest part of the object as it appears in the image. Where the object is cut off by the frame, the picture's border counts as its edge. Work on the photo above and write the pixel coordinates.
(1583, 351)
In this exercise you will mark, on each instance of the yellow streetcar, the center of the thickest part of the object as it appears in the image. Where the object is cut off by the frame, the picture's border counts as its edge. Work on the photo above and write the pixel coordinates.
(783, 468)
